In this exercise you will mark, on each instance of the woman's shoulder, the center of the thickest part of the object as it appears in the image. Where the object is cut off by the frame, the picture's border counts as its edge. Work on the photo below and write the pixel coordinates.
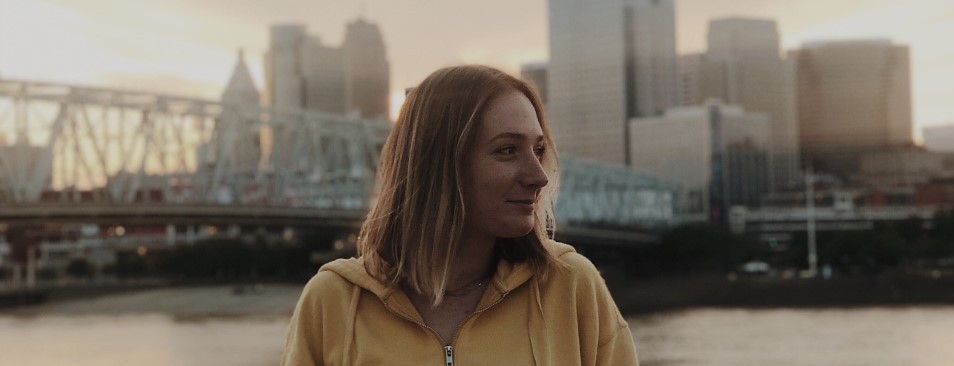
(571, 265)
(577, 277)
(341, 276)
(329, 280)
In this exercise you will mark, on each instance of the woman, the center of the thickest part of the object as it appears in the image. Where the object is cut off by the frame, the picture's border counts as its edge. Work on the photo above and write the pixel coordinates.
(455, 264)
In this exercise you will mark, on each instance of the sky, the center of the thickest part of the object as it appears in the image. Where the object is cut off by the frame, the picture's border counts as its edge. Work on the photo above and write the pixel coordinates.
(189, 47)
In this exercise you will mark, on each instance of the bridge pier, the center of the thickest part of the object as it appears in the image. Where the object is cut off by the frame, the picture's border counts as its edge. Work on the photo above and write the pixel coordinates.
(31, 267)
(24, 241)
(170, 234)
(190, 234)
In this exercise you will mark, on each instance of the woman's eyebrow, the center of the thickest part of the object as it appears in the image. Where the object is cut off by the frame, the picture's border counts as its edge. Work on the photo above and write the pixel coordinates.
(514, 135)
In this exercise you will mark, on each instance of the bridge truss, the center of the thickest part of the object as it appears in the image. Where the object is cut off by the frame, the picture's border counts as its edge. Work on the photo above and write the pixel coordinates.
(69, 144)
(64, 146)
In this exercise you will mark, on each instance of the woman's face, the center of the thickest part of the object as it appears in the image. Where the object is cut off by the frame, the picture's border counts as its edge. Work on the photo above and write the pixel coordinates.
(502, 170)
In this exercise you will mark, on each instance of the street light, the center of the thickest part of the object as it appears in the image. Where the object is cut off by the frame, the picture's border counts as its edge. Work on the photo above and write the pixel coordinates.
(810, 212)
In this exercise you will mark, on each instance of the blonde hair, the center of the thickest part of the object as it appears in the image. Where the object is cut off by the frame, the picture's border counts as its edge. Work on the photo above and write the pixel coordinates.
(411, 234)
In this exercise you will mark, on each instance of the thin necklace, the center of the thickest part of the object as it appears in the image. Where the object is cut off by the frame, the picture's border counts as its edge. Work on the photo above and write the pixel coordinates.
(468, 288)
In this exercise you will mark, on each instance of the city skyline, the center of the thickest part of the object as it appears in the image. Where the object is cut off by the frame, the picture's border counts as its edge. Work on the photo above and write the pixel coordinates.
(302, 71)
(188, 48)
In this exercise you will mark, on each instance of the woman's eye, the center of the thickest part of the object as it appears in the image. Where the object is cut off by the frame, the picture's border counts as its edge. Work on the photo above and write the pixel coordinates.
(507, 150)
(540, 151)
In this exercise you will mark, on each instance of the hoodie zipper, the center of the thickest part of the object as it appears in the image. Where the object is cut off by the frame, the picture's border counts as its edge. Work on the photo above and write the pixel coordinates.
(449, 349)
(449, 356)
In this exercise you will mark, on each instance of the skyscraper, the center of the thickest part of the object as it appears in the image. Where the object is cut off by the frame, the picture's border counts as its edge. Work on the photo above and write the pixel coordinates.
(324, 79)
(241, 90)
(853, 97)
(302, 72)
(609, 61)
(743, 66)
(366, 71)
(284, 82)
(690, 79)
(536, 74)
(650, 27)
(239, 124)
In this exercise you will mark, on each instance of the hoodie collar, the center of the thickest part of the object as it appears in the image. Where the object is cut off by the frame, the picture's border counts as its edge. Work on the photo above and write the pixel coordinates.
(508, 277)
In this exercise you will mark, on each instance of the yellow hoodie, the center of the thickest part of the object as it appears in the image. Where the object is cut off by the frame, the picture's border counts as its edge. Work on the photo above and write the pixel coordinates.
(345, 317)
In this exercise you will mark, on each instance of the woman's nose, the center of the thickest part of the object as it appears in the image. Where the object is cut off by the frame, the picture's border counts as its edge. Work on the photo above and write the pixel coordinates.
(534, 175)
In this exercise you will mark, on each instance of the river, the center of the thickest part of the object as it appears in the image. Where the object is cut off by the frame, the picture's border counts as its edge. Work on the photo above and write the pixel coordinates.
(914, 336)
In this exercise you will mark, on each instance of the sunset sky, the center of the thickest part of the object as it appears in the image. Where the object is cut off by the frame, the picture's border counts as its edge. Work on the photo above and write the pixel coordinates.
(188, 47)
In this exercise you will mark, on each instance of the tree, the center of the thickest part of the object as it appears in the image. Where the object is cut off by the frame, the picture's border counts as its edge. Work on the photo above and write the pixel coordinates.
(704, 248)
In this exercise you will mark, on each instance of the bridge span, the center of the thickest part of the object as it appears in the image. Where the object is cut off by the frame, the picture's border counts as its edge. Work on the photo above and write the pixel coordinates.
(79, 154)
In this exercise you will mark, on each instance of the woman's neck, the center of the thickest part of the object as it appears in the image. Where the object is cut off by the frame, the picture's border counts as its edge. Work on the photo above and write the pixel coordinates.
(474, 260)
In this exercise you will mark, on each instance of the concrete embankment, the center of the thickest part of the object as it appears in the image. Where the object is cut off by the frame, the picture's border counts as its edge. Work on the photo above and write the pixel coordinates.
(634, 296)
(14, 297)
(640, 296)
(180, 301)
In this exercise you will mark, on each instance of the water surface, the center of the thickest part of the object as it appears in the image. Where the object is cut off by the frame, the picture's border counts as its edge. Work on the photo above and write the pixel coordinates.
(916, 336)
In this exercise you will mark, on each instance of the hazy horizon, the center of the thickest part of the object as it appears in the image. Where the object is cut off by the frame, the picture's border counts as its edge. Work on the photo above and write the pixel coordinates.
(189, 47)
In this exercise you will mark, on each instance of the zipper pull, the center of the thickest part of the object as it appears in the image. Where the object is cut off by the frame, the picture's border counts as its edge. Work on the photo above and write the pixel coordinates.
(448, 356)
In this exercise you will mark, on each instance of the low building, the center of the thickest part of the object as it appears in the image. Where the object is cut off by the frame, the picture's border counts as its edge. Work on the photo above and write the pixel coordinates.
(901, 167)
(717, 152)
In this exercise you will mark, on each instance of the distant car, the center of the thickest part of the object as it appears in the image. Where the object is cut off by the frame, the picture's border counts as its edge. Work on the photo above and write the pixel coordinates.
(755, 267)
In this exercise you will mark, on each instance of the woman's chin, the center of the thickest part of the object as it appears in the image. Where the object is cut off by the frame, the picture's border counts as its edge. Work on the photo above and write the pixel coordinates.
(515, 231)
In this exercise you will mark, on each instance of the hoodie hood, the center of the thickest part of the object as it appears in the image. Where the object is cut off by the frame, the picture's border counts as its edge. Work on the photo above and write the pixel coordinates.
(353, 270)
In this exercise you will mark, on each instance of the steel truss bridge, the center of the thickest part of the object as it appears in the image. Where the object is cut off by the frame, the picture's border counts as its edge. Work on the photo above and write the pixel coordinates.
(98, 155)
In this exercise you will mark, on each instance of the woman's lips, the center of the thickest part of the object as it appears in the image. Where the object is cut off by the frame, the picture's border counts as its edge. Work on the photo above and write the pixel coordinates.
(526, 206)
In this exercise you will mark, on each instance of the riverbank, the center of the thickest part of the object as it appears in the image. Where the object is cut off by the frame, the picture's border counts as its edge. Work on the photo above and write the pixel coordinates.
(17, 297)
(660, 294)
(634, 296)
(182, 301)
